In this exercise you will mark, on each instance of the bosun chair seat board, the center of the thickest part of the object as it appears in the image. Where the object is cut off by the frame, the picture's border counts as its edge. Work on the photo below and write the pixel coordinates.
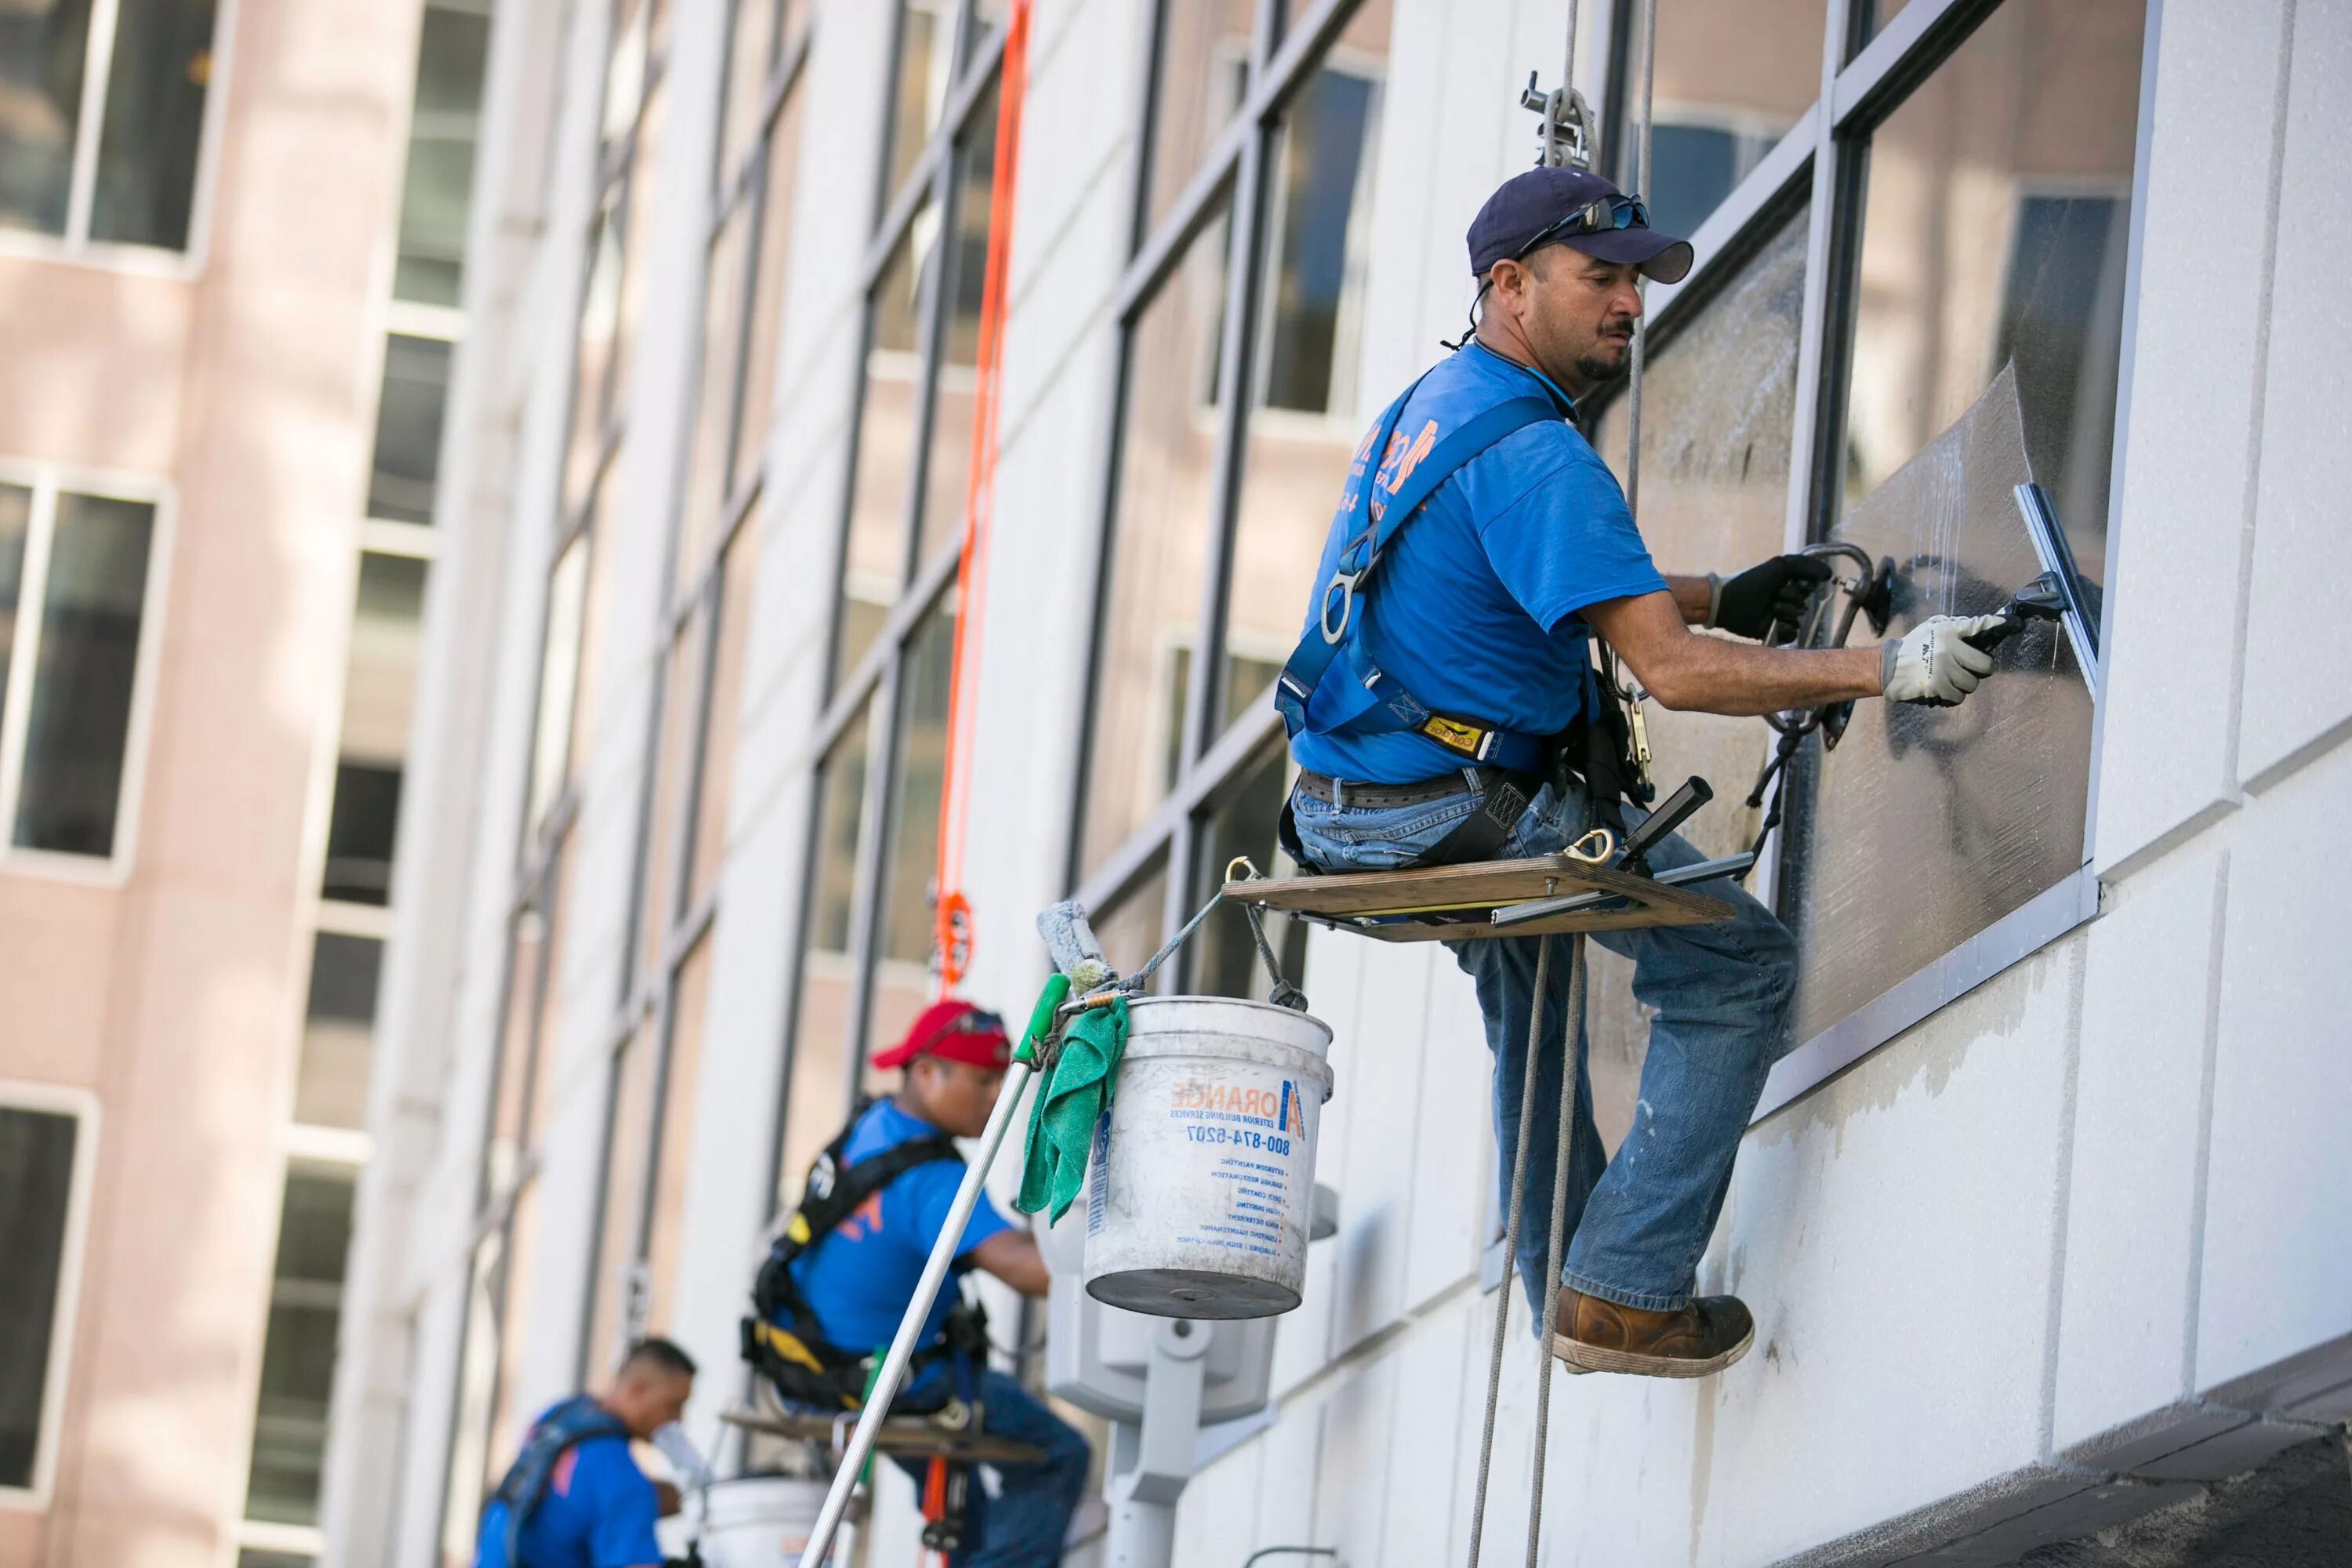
(1456, 903)
(905, 1435)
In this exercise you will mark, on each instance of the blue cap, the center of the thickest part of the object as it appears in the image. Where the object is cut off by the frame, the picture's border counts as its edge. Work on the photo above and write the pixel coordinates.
(1525, 205)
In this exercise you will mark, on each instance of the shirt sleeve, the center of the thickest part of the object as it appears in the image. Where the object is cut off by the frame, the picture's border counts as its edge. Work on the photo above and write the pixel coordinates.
(931, 1193)
(1565, 540)
(626, 1506)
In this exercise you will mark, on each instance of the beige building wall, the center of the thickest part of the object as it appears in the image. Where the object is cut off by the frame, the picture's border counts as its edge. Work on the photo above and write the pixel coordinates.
(236, 385)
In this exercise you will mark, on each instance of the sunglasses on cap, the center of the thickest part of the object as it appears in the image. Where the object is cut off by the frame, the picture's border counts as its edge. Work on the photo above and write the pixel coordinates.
(973, 1023)
(1599, 217)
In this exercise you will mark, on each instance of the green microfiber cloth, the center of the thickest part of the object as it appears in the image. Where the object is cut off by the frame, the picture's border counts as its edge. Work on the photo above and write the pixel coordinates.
(1069, 1104)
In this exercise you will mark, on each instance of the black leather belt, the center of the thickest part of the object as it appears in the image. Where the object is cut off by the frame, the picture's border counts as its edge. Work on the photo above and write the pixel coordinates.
(1379, 797)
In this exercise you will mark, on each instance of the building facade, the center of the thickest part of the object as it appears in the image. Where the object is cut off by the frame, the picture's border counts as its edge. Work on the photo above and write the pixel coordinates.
(231, 238)
(2044, 1217)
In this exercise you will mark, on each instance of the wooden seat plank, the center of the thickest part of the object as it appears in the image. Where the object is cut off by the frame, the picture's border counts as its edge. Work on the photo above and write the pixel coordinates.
(909, 1435)
(1454, 903)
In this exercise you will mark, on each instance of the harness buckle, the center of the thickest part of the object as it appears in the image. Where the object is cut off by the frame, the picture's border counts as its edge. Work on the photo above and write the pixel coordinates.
(1344, 584)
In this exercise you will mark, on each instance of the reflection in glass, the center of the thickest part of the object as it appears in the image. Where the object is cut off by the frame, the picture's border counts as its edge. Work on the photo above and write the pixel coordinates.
(15, 527)
(714, 406)
(874, 562)
(1202, 67)
(911, 844)
(592, 374)
(362, 826)
(715, 774)
(1132, 927)
(636, 246)
(408, 428)
(36, 1163)
(1732, 77)
(559, 681)
(380, 679)
(1302, 424)
(338, 1031)
(949, 465)
(674, 1143)
(43, 46)
(1720, 405)
(463, 1485)
(1994, 229)
(297, 1354)
(78, 728)
(146, 184)
(1876, 13)
(1150, 613)
(681, 715)
(509, 1418)
(512, 1088)
(926, 65)
(629, 1128)
(443, 134)
(760, 31)
(1224, 956)
(817, 1095)
(767, 321)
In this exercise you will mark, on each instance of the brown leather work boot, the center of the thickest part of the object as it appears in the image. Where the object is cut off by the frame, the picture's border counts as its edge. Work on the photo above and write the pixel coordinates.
(1701, 1340)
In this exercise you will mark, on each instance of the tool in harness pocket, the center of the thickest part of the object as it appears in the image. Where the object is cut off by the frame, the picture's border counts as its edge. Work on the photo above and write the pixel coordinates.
(1673, 812)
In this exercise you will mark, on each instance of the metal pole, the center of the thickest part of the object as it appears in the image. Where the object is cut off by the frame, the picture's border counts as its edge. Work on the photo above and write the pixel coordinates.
(910, 1327)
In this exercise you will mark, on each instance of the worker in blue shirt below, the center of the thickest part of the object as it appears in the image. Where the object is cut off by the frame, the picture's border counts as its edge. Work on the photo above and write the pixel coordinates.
(855, 1277)
(1477, 626)
(576, 1492)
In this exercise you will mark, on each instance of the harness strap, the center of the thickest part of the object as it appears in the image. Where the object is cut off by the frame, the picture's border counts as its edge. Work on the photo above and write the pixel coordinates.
(554, 1434)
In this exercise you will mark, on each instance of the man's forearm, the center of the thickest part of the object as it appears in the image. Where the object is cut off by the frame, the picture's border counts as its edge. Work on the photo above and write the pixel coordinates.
(1694, 597)
(1717, 676)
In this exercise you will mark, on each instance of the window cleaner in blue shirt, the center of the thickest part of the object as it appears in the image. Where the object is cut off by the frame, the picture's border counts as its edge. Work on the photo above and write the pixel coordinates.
(573, 1498)
(833, 1293)
(1441, 707)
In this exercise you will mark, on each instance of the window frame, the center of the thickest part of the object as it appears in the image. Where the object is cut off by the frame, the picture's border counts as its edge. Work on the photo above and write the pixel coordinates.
(869, 686)
(65, 1309)
(75, 246)
(47, 481)
(1819, 159)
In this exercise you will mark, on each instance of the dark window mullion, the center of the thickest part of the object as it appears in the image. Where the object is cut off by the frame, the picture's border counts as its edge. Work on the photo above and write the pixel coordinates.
(865, 895)
(931, 318)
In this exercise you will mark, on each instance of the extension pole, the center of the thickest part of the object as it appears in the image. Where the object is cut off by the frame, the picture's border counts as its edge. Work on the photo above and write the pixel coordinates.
(910, 1327)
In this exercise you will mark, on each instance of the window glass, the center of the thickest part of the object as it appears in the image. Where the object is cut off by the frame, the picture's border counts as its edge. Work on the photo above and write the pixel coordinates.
(559, 681)
(1151, 613)
(714, 408)
(408, 428)
(673, 757)
(1718, 413)
(360, 830)
(86, 665)
(338, 1031)
(592, 369)
(636, 246)
(155, 123)
(518, 1035)
(674, 1148)
(1994, 227)
(1223, 954)
(509, 1417)
(714, 777)
(37, 1160)
(755, 35)
(624, 65)
(953, 406)
(1732, 77)
(444, 130)
(15, 527)
(817, 1097)
(1132, 927)
(380, 681)
(910, 844)
(875, 564)
(1876, 13)
(926, 64)
(463, 1485)
(767, 321)
(1202, 69)
(43, 44)
(1303, 424)
(297, 1356)
(612, 1313)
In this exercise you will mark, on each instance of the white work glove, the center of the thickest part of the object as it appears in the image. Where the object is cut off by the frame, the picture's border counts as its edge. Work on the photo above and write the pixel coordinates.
(1933, 664)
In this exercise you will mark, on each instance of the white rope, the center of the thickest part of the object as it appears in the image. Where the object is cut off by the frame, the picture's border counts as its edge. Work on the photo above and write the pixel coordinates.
(1640, 181)
(1564, 1161)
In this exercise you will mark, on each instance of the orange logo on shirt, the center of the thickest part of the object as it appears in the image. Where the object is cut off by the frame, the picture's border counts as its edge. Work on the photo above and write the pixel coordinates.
(864, 1220)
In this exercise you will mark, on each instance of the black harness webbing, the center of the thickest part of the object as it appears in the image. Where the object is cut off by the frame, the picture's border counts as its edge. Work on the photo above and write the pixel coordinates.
(556, 1433)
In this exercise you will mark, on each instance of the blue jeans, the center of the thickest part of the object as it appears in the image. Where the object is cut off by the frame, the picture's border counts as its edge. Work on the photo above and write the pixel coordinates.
(1024, 1524)
(1721, 995)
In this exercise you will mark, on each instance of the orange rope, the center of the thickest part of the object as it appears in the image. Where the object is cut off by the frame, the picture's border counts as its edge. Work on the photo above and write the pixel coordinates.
(935, 1499)
(953, 933)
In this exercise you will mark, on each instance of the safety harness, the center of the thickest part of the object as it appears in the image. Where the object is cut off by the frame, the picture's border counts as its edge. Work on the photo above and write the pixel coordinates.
(556, 1433)
(780, 1339)
(1330, 686)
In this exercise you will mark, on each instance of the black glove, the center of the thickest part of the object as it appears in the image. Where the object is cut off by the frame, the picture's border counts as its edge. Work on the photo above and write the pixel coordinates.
(1773, 594)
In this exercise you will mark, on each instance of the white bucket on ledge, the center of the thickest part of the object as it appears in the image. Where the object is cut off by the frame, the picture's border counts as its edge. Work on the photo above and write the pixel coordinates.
(1200, 1188)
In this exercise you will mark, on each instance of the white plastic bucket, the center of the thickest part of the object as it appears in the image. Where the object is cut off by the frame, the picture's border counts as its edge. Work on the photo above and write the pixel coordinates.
(1201, 1187)
(759, 1521)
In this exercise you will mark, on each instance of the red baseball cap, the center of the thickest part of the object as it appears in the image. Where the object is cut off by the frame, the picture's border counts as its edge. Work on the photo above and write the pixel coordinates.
(952, 1031)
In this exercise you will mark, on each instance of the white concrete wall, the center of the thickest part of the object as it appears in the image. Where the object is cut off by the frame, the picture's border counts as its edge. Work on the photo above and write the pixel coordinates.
(2078, 1240)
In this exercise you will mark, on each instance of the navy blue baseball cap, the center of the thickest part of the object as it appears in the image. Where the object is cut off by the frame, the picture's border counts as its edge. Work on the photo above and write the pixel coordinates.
(1582, 210)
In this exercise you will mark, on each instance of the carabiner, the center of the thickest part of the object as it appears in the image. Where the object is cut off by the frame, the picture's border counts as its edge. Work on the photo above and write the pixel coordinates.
(1345, 584)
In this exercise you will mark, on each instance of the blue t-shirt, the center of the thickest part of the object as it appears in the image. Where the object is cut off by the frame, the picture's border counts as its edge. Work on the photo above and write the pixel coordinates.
(1475, 605)
(598, 1511)
(858, 1282)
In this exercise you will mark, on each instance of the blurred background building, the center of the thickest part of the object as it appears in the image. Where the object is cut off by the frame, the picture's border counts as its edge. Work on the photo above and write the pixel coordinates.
(2045, 1216)
(232, 246)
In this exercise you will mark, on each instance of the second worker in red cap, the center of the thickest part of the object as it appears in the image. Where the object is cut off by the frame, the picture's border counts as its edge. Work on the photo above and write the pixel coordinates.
(833, 1288)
